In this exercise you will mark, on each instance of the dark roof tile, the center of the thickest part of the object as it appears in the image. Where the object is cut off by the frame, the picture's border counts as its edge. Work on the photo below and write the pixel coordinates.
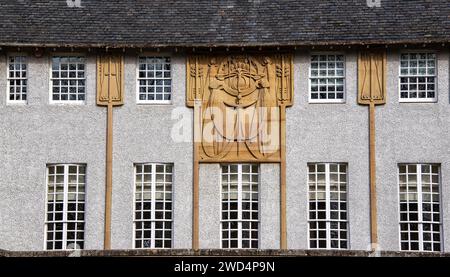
(146, 23)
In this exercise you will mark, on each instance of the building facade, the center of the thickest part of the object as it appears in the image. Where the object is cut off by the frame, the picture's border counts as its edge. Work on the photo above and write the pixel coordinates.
(54, 140)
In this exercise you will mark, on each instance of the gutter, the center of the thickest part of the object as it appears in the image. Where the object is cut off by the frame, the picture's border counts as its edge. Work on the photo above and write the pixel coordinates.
(289, 44)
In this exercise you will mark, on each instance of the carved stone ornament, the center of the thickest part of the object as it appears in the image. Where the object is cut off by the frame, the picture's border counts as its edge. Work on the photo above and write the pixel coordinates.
(239, 105)
(110, 80)
(372, 77)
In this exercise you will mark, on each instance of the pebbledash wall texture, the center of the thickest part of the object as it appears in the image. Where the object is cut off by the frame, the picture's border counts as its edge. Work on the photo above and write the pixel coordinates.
(367, 172)
(40, 133)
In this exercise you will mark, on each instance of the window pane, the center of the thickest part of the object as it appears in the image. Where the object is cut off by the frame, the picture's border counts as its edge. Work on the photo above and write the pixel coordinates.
(68, 78)
(154, 79)
(65, 207)
(240, 207)
(17, 78)
(329, 80)
(417, 217)
(420, 68)
(153, 206)
(327, 211)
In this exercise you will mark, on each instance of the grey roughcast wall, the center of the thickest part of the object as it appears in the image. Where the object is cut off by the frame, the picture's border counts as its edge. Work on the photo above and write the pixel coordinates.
(38, 133)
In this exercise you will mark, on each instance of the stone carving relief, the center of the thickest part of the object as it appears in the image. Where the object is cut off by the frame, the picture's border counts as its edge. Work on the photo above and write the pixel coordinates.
(239, 103)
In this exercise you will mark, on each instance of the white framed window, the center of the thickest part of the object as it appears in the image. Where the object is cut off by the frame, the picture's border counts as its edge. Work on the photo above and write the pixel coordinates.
(153, 205)
(17, 79)
(64, 223)
(327, 197)
(240, 206)
(420, 220)
(418, 77)
(68, 79)
(154, 82)
(327, 78)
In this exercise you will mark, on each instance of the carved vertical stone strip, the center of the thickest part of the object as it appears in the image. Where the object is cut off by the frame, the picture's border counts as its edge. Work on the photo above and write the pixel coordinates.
(110, 80)
(372, 78)
(373, 188)
(372, 91)
(283, 218)
(110, 87)
(196, 181)
(195, 101)
(108, 186)
(284, 98)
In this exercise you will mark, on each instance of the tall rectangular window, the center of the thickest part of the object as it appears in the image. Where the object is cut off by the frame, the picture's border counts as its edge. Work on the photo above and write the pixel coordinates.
(240, 206)
(17, 79)
(154, 80)
(418, 77)
(327, 77)
(153, 205)
(64, 222)
(420, 222)
(68, 80)
(327, 190)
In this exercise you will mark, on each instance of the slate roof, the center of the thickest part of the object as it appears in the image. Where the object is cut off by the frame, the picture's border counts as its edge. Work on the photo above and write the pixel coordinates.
(183, 23)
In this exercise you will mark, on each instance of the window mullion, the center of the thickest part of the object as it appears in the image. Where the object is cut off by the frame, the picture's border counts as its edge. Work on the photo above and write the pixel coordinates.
(327, 204)
(441, 215)
(65, 204)
(46, 221)
(134, 206)
(239, 186)
(153, 206)
(419, 205)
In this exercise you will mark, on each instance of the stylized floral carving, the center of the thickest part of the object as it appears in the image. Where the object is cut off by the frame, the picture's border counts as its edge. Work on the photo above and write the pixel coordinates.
(239, 98)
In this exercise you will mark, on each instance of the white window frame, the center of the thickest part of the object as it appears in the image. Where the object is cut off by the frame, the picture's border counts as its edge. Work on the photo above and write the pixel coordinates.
(8, 79)
(67, 102)
(327, 101)
(420, 220)
(240, 210)
(65, 203)
(154, 102)
(328, 219)
(418, 100)
(153, 220)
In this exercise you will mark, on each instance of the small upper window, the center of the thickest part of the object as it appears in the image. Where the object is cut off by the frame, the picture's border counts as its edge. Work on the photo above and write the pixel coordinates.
(418, 77)
(327, 75)
(17, 79)
(154, 80)
(68, 79)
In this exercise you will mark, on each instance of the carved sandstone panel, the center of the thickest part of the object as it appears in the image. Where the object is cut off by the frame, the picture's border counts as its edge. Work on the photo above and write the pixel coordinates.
(110, 79)
(372, 77)
(238, 100)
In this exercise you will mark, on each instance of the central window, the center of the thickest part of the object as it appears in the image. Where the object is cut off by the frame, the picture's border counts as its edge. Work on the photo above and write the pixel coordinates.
(154, 80)
(153, 205)
(327, 75)
(68, 80)
(240, 207)
(327, 220)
